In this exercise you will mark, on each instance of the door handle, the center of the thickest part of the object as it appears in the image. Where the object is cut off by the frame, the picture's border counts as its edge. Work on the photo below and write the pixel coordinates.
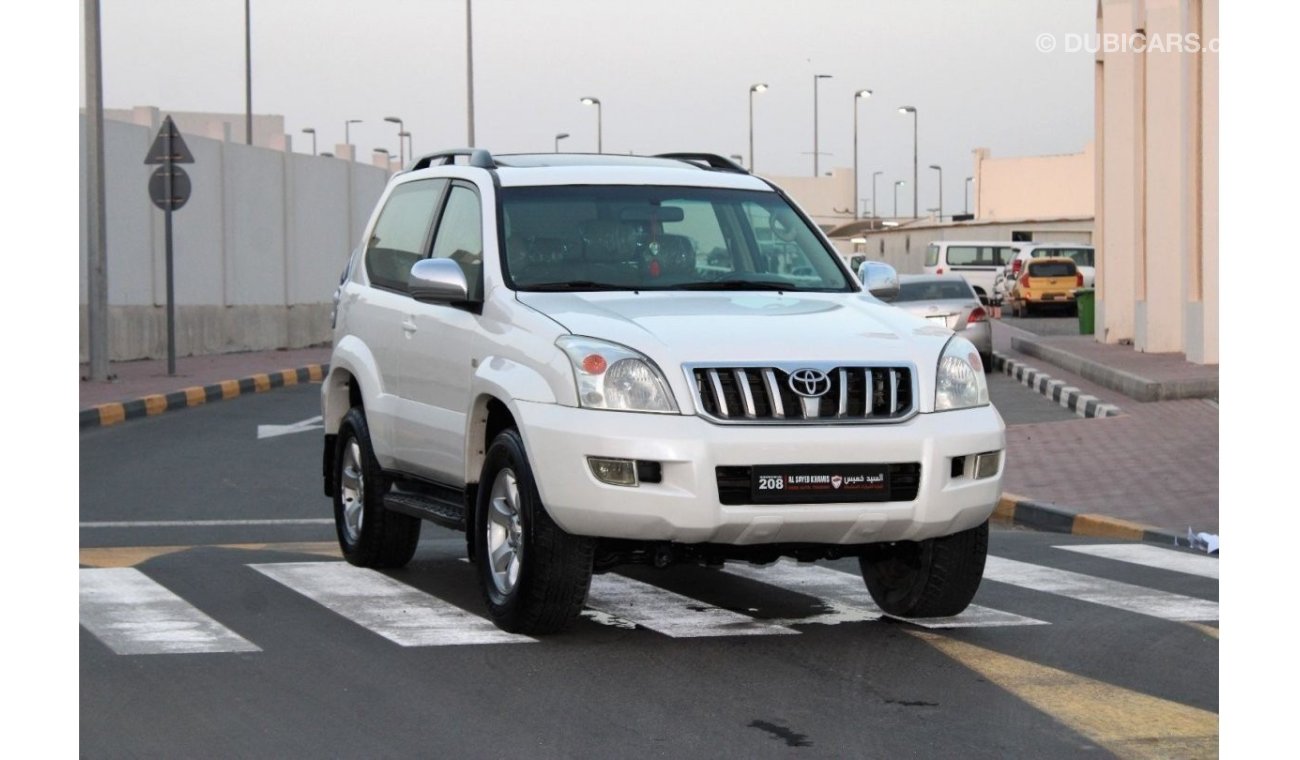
(408, 326)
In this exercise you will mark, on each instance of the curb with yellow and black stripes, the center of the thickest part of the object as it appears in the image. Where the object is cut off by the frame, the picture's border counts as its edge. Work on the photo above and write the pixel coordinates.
(1052, 518)
(103, 415)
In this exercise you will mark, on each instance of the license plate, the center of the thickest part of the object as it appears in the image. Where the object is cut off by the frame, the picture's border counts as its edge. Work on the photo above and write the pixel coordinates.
(939, 319)
(1051, 296)
(819, 483)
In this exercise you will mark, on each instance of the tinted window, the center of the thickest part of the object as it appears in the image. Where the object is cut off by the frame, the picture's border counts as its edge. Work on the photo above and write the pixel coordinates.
(460, 237)
(977, 255)
(935, 291)
(1052, 269)
(400, 235)
(616, 237)
(1081, 256)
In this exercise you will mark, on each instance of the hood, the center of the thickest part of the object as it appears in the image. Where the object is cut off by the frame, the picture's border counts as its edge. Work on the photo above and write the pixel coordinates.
(689, 327)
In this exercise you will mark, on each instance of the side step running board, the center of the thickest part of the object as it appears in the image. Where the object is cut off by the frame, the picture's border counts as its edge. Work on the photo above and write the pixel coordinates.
(446, 513)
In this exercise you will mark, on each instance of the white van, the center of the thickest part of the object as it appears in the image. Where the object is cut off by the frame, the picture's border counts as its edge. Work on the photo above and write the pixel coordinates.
(978, 261)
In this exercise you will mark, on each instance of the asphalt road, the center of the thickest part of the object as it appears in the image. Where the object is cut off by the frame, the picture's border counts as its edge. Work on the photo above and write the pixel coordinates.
(235, 642)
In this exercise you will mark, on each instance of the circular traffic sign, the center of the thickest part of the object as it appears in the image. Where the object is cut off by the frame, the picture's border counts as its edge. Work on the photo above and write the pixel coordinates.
(180, 187)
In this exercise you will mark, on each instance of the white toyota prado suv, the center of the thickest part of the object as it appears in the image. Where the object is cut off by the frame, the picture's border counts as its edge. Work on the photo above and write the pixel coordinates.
(590, 360)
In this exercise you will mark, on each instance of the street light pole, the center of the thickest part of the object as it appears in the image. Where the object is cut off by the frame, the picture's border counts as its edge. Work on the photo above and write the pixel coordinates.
(875, 210)
(859, 95)
(939, 169)
(469, 69)
(558, 138)
(600, 129)
(816, 167)
(410, 147)
(347, 134)
(96, 211)
(248, 75)
(915, 176)
(401, 148)
(896, 184)
(753, 89)
(965, 197)
(311, 131)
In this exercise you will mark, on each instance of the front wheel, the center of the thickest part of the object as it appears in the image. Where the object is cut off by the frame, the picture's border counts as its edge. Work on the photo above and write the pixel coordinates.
(369, 535)
(534, 576)
(937, 577)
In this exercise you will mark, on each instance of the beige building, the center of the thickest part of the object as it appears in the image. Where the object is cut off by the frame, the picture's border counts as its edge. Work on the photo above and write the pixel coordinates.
(1157, 159)
(1033, 187)
(828, 199)
(268, 129)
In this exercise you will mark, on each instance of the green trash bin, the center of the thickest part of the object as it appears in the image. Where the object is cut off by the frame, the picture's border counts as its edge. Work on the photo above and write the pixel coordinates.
(1084, 301)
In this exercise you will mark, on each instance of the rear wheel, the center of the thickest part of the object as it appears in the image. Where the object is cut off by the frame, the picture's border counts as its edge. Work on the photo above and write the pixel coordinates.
(534, 576)
(937, 577)
(987, 360)
(369, 535)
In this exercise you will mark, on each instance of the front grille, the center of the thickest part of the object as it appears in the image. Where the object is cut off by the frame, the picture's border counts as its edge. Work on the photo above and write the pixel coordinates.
(734, 483)
(860, 394)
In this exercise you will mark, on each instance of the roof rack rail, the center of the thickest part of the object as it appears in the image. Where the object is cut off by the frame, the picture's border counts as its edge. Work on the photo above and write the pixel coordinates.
(477, 157)
(711, 161)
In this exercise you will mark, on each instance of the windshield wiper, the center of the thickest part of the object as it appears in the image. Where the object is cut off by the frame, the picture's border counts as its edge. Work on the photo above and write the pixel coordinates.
(550, 287)
(736, 285)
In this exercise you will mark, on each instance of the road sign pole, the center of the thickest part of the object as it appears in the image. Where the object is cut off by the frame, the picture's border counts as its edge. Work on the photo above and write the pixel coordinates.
(96, 221)
(171, 290)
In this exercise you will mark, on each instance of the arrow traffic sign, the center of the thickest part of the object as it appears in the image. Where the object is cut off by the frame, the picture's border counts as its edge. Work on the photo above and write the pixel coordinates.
(179, 152)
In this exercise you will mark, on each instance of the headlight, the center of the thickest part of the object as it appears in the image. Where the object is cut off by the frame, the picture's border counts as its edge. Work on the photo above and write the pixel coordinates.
(960, 382)
(611, 376)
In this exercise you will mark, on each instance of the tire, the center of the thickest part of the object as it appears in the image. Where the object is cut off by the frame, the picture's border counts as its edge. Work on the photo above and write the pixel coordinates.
(369, 535)
(987, 360)
(533, 575)
(937, 577)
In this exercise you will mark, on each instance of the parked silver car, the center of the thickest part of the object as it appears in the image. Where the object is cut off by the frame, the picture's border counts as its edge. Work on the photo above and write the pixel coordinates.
(948, 300)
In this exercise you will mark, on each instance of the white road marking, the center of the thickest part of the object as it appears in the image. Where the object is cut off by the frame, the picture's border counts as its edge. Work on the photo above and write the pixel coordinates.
(847, 600)
(1123, 596)
(203, 523)
(390, 608)
(669, 613)
(1153, 556)
(133, 614)
(301, 426)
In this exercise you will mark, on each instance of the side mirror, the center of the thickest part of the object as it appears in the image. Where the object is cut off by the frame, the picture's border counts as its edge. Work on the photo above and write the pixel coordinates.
(880, 279)
(437, 281)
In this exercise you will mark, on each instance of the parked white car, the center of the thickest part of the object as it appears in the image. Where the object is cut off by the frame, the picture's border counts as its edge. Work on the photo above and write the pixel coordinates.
(978, 261)
(585, 361)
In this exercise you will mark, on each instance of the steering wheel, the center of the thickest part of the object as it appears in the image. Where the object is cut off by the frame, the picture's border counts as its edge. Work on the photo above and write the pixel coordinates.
(783, 227)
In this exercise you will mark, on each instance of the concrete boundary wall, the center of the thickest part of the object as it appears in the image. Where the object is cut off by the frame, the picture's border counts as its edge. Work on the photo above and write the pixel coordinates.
(258, 248)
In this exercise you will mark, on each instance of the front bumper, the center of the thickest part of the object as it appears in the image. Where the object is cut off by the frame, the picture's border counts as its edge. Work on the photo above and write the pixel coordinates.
(685, 506)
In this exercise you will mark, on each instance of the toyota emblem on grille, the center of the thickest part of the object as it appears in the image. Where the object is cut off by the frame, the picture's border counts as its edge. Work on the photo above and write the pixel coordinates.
(809, 383)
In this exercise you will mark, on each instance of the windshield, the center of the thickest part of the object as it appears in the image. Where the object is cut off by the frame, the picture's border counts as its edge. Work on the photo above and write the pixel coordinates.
(1052, 269)
(617, 237)
(950, 290)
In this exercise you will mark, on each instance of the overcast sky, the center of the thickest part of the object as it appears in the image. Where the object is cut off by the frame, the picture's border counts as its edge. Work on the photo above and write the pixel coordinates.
(672, 75)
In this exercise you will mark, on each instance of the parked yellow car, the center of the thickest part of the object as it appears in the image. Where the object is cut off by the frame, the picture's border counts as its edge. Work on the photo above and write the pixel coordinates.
(1045, 282)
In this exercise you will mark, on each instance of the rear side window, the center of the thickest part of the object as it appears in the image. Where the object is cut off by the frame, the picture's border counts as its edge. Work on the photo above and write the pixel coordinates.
(1052, 269)
(931, 255)
(401, 235)
(975, 256)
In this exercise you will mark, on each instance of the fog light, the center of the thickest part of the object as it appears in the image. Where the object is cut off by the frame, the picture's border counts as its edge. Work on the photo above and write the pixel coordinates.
(986, 465)
(616, 472)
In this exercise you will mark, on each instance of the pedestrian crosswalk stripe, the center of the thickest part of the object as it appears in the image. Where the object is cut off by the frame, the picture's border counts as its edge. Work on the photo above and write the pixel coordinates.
(1123, 596)
(133, 614)
(847, 600)
(1152, 556)
(390, 608)
(669, 613)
